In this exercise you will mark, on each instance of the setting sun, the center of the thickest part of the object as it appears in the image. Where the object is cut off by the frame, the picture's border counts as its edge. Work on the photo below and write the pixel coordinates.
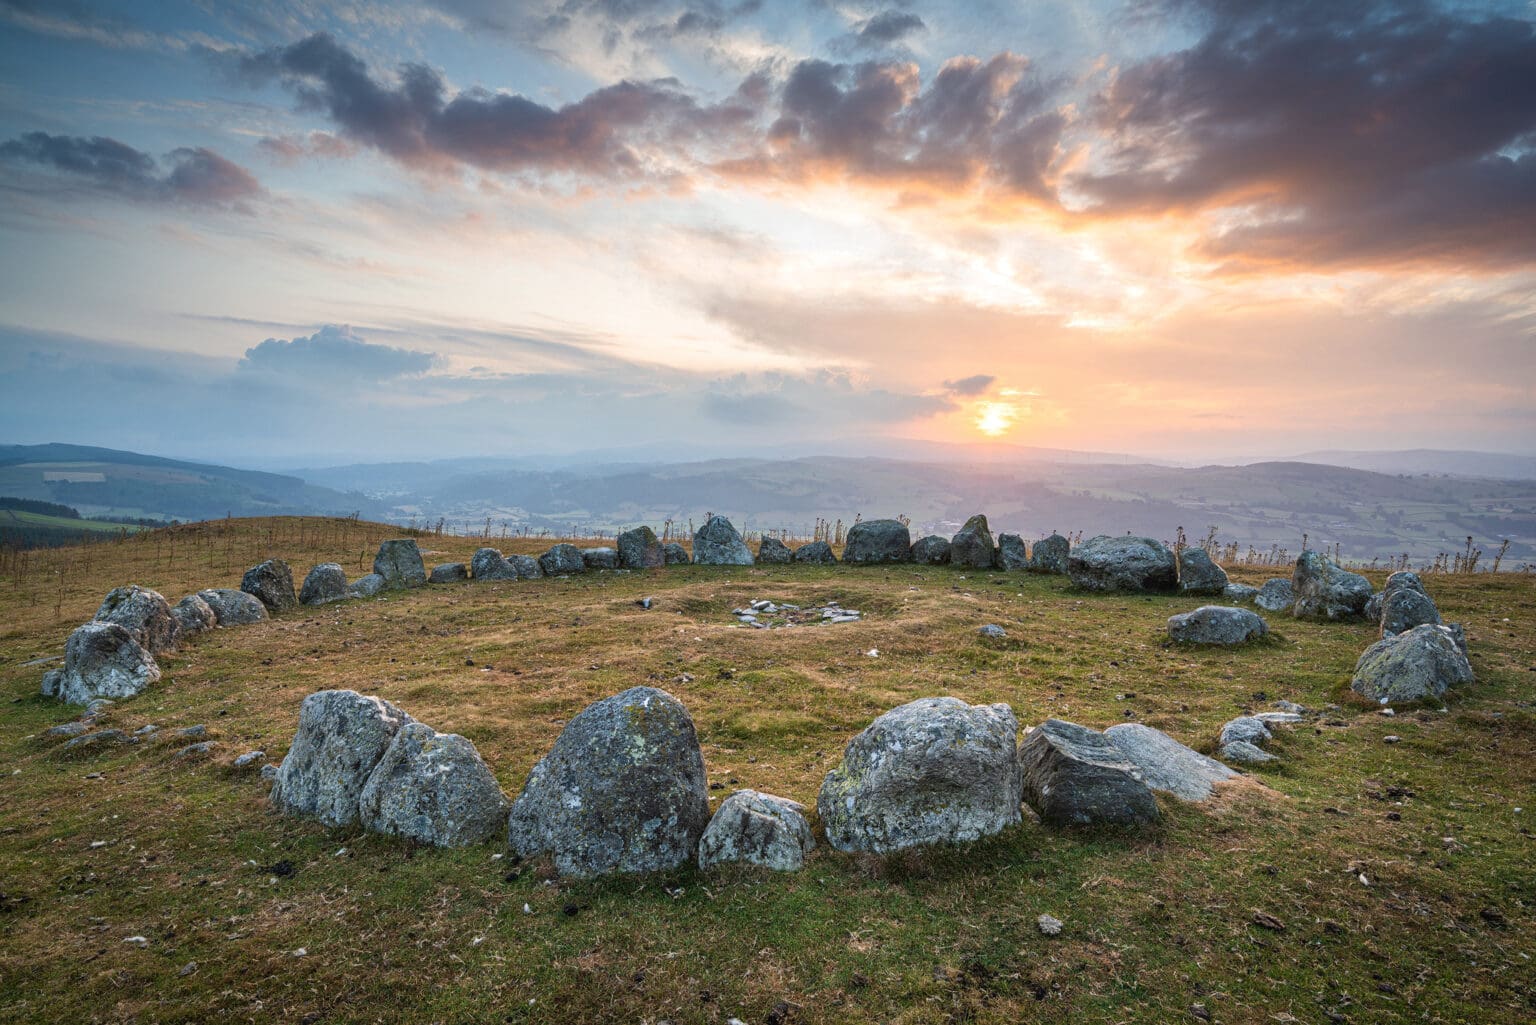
(994, 419)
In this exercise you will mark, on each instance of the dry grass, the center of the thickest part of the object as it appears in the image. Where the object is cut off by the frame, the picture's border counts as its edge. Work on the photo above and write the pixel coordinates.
(1155, 924)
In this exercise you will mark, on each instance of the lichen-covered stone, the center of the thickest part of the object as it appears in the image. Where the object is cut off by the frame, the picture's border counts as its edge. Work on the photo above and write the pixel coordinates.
(1276, 595)
(399, 563)
(1249, 729)
(1133, 564)
(935, 770)
(448, 573)
(773, 552)
(1423, 662)
(1199, 575)
(1239, 592)
(271, 583)
(1326, 591)
(757, 829)
(232, 607)
(1050, 555)
(717, 543)
(1012, 554)
(817, 553)
(1216, 624)
(1074, 776)
(872, 542)
(341, 737)
(526, 567)
(488, 564)
(676, 554)
(972, 546)
(601, 557)
(193, 616)
(1244, 753)
(1404, 604)
(622, 790)
(367, 586)
(103, 660)
(432, 787)
(324, 583)
(145, 614)
(640, 549)
(932, 550)
(1165, 764)
(560, 560)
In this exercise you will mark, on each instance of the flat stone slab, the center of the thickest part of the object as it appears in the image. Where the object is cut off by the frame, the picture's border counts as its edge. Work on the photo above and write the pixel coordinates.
(1166, 764)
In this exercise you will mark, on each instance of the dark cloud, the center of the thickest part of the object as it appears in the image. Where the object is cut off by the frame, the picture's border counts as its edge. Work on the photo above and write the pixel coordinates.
(335, 353)
(1352, 131)
(888, 27)
(194, 176)
(974, 385)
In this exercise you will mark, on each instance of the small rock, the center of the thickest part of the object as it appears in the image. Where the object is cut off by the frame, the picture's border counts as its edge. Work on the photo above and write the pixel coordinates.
(250, 758)
(1393, 739)
(69, 729)
(1048, 925)
(196, 750)
(1244, 753)
(993, 630)
(1246, 728)
(193, 732)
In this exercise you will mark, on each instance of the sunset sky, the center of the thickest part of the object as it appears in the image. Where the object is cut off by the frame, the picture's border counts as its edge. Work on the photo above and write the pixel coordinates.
(295, 230)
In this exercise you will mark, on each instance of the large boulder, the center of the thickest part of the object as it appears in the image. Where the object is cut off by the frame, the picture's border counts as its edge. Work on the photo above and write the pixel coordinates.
(232, 607)
(1216, 624)
(1127, 563)
(193, 616)
(1404, 608)
(271, 583)
(341, 737)
(1074, 776)
(1325, 591)
(1165, 764)
(640, 549)
(1276, 595)
(773, 552)
(560, 560)
(324, 583)
(817, 553)
(1199, 575)
(601, 557)
(676, 554)
(972, 547)
(1011, 552)
(488, 564)
(526, 567)
(717, 544)
(877, 541)
(432, 787)
(399, 563)
(1050, 555)
(1422, 662)
(935, 770)
(757, 829)
(145, 614)
(932, 550)
(448, 573)
(102, 660)
(622, 790)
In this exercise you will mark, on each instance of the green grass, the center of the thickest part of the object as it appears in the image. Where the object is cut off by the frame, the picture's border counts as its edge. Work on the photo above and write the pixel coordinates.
(1155, 923)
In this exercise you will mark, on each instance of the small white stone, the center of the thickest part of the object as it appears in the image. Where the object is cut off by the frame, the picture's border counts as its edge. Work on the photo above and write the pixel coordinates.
(1048, 925)
(137, 941)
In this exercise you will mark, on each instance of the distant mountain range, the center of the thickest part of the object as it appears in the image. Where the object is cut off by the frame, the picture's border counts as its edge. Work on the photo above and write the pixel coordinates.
(1495, 465)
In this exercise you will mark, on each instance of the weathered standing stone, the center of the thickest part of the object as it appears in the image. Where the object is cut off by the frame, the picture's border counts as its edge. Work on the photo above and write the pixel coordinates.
(1122, 564)
(324, 583)
(972, 547)
(271, 583)
(1325, 591)
(1073, 776)
(488, 564)
(717, 544)
(640, 549)
(935, 770)
(1199, 575)
(399, 563)
(232, 607)
(341, 737)
(676, 554)
(560, 560)
(53, 682)
(1419, 663)
(1403, 604)
(1165, 764)
(1216, 624)
(1050, 555)
(932, 550)
(758, 829)
(877, 541)
(601, 557)
(145, 614)
(1011, 552)
(1239, 592)
(774, 552)
(817, 553)
(102, 660)
(366, 586)
(448, 573)
(1276, 595)
(622, 790)
(432, 787)
(193, 616)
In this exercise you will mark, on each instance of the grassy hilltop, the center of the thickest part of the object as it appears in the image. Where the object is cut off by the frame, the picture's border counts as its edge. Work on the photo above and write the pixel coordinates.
(1402, 874)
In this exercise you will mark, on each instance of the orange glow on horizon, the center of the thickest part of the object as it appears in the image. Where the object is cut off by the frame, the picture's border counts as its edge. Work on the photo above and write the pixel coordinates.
(995, 419)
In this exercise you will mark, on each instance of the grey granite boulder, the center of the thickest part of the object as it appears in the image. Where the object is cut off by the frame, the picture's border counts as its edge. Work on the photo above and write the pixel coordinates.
(1244, 753)
(877, 541)
(271, 583)
(193, 615)
(232, 607)
(676, 554)
(717, 544)
(600, 557)
(622, 790)
(972, 546)
(1404, 608)
(53, 683)
(1011, 552)
(773, 552)
(1165, 764)
(935, 770)
(1199, 575)
(817, 553)
(992, 632)
(526, 567)
(1216, 624)
(560, 560)
(1276, 595)
(341, 737)
(324, 583)
(932, 550)
(145, 614)
(367, 586)
(102, 660)
(448, 573)
(757, 829)
(1050, 555)
(1422, 662)
(1325, 591)
(1133, 564)
(488, 564)
(640, 549)
(432, 787)
(1074, 776)
(1239, 592)
(399, 563)
(1249, 729)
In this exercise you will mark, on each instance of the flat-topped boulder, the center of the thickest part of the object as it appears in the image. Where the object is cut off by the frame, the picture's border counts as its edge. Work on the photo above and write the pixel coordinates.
(232, 607)
(193, 615)
(1239, 592)
(1199, 575)
(561, 560)
(1216, 624)
(1165, 764)
(341, 737)
(972, 546)
(145, 614)
(448, 573)
(757, 829)
(817, 553)
(1126, 564)
(1422, 662)
(399, 563)
(271, 583)
(1074, 776)
(1276, 595)
(622, 790)
(432, 787)
(933, 771)
(1326, 591)
(717, 543)
(101, 660)
(323, 584)
(640, 549)
(932, 550)
(599, 557)
(773, 552)
(1050, 555)
(1012, 554)
(871, 542)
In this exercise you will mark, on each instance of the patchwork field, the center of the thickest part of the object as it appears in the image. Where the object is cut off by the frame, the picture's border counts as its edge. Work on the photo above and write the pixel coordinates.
(1355, 881)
